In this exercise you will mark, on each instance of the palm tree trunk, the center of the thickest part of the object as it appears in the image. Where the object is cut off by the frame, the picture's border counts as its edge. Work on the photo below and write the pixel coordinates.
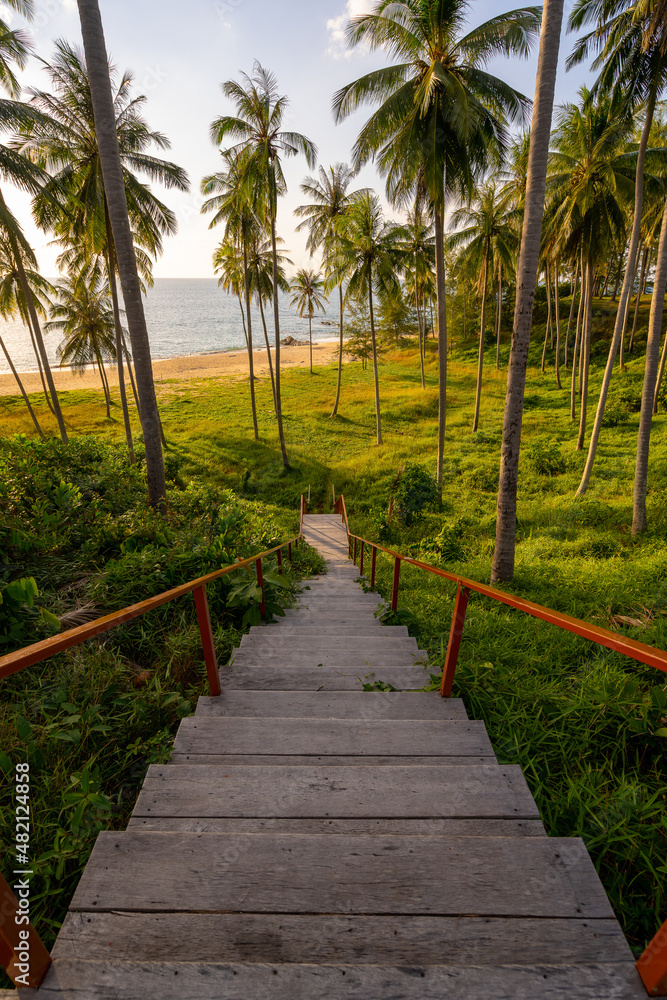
(39, 366)
(586, 355)
(503, 557)
(276, 322)
(34, 321)
(268, 350)
(442, 339)
(661, 373)
(111, 272)
(105, 384)
(251, 370)
(628, 282)
(245, 329)
(114, 185)
(310, 339)
(621, 350)
(22, 390)
(340, 349)
(480, 356)
(635, 320)
(576, 349)
(128, 361)
(499, 315)
(557, 316)
(419, 329)
(618, 273)
(573, 287)
(651, 384)
(375, 364)
(544, 347)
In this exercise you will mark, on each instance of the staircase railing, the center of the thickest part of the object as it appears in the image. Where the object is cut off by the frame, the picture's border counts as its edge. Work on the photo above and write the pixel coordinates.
(652, 966)
(22, 954)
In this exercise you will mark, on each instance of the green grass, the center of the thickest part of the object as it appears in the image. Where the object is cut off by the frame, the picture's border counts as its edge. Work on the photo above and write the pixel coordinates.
(581, 721)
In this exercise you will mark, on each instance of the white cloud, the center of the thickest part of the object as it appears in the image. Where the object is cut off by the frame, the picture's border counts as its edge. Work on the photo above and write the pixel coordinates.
(336, 27)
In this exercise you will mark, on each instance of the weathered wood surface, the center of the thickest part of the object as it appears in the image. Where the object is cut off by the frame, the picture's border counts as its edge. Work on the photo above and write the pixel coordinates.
(81, 980)
(281, 629)
(380, 737)
(363, 792)
(335, 657)
(332, 705)
(344, 760)
(326, 642)
(288, 678)
(374, 827)
(259, 937)
(277, 873)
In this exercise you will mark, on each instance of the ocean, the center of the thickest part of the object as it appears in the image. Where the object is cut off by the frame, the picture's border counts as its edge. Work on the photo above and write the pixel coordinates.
(187, 316)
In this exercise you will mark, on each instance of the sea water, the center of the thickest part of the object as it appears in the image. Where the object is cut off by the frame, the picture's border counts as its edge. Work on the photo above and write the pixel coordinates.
(187, 316)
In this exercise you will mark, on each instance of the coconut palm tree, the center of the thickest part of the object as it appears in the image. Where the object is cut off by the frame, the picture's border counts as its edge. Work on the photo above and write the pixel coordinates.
(73, 205)
(308, 297)
(369, 254)
(487, 242)
(261, 138)
(419, 247)
(11, 305)
(526, 280)
(260, 262)
(114, 180)
(633, 65)
(329, 199)
(441, 115)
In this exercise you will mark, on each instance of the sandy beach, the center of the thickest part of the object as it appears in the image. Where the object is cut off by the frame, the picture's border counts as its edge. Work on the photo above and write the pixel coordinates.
(225, 363)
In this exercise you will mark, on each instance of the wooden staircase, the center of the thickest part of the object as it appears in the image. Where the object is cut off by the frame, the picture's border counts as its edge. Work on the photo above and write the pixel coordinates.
(313, 840)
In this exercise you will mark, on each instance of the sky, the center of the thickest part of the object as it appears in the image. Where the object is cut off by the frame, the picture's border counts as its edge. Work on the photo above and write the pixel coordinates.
(181, 53)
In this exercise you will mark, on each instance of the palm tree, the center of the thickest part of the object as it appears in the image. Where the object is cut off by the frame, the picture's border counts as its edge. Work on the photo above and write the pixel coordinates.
(308, 296)
(73, 205)
(258, 127)
(260, 262)
(329, 199)
(370, 254)
(83, 312)
(11, 304)
(633, 62)
(526, 280)
(441, 115)
(419, 247)
(489, 241)
(114, 180)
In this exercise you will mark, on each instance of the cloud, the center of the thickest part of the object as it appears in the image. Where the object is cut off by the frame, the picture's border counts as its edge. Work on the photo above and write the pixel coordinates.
(336, 27)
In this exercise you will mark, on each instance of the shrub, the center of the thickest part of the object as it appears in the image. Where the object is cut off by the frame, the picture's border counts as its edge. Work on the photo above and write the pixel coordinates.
(415, 492)
(546, 458)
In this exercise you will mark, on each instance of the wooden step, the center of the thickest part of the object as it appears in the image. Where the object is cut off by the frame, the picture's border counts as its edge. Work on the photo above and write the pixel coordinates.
(293, 678)
(332, 705)
(336, 792)
(337, 760)
(281, 630)
(171, 980)
(274, 873)
(361, 658)
(321, 737)
(327, 642)
(348, 827)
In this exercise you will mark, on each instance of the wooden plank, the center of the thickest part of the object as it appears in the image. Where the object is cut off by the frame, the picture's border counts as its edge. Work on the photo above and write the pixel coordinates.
(279, 873)
(360, 658)
(364, 792)
(76, 979)
(336, 760)
(281, 629)
(333, 705)
(288, 678)
(395, 737)
(373, 827)
(327, 642)
(259, 937)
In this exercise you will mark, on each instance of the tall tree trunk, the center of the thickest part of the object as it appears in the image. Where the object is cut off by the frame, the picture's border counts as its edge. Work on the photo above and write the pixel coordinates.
(480, 356)
(39, 363)
(114, 185)
(557, 314)
(628, 282)
(276, 321)
(586, 354)
(419, 329)
(442, 339)
(499, 315)
(577, 347)
(503, 557)
(618, 273)
(245, 328)
(251, 369)
(22, 390)
(268, 350)
(375, 364)
(573, 288)
(310, 339)
(638, 299)
(128, 361)
(111, 271)
(544, 348)
(105, 384)
(621, 349)
(340, 349)
(661, 373)
(649, 392)
(34, 321)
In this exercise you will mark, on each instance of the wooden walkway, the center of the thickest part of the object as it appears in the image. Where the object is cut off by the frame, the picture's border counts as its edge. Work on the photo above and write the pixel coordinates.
(311, 840)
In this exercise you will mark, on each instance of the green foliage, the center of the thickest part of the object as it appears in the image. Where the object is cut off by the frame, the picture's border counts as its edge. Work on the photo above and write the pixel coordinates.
(546, 458)
(416, 491)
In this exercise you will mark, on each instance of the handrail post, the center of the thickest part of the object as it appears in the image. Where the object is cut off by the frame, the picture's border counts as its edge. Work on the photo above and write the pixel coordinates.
(279, 557)
(333, 494)
(206, 633)
(394, 588)
(455, 633)
(354, 557)
(652, 966)
(349, 546)
(361, 559)
(20, 956)
(260, 581)
(373, 558)
(289, 552)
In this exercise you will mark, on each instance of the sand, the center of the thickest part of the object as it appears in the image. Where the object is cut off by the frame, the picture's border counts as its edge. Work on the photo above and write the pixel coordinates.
(196, 366)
